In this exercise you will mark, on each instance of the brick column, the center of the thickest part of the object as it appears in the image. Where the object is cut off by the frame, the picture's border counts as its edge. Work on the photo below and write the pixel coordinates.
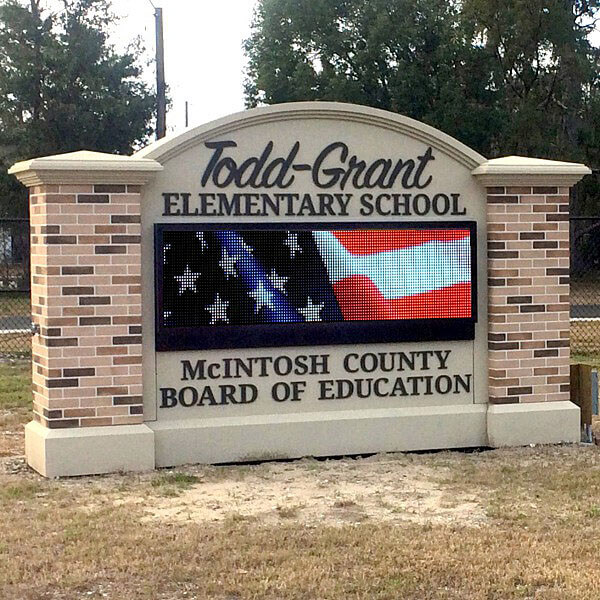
(86, 301)
(86, 294)
(528, 300)
(528, 297)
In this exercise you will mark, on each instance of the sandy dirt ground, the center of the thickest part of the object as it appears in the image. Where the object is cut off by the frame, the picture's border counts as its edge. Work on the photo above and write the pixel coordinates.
(310, 492)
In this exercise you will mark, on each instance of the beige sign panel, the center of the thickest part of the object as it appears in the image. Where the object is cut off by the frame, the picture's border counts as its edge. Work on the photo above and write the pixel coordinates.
(213, 370)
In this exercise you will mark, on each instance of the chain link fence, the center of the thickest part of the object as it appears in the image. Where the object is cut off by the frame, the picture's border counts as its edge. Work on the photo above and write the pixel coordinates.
(15, 305)
(585, 285)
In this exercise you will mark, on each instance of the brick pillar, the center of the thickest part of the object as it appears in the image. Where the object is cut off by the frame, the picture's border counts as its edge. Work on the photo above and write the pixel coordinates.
(86, 305)
(528, 297)
(86, 302)
(528, 300)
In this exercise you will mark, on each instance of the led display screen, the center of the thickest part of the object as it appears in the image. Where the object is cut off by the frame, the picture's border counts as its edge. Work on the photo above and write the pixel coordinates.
(249, 286)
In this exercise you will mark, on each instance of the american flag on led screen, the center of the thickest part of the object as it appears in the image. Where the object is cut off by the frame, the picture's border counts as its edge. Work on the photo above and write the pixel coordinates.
(249, 277)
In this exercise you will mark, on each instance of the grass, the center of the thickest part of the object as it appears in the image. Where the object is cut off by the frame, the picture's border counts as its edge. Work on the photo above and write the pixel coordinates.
(15, 405)
(170, 485)
(90, 537)
(15, 303)
(540, 541)
(15, 345)
(592, 359)
(289, 511)
(15, 386)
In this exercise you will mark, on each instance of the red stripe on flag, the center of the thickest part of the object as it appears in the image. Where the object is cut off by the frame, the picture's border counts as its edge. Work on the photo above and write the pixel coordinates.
(372, 241)
(360, 300)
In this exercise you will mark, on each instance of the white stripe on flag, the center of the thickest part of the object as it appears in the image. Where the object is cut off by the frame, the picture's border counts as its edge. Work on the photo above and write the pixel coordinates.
(404, 272)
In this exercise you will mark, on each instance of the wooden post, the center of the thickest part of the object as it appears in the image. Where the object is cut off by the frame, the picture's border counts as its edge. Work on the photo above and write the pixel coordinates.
(581, 393)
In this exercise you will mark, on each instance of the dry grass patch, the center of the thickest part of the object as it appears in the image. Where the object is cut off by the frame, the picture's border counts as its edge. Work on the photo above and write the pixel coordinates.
(102, 538)
(499, 525)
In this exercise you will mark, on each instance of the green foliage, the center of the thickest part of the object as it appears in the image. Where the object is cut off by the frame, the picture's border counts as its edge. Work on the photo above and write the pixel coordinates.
(544, 73)
(15, 386)
(503, 76)
(63, 87)
(408, 56)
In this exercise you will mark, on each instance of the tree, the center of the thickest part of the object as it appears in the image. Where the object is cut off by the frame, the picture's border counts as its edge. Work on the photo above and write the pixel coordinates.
(544, 74)
(408, 56)
(63, 87)
(502, 76)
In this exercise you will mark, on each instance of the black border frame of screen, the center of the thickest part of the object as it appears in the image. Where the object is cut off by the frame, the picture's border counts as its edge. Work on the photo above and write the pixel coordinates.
(206, 337)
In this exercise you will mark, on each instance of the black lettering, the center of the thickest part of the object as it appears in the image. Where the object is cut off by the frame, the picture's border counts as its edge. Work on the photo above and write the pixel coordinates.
(218, 148)
(229, 207)
(377, 387)
(206, 203)
(423, 162)
(399, 388)
(297, 388)
(443, 384)
(334, 173)
(257, 164)
(363, 387)
(283, 366)
(345, 389)
(402, 204)
(249, 393)
(326, 393)
(197, 372)
(319, 364)
(442, 356)
(301, 366)
(374, 179)
(366, 206)
(421, 208)
(427, 379)
(415, 384)
(306, 206)
(378, 206)
(406, 362)
(207, 394)
(353, 165)
(168, 397)
(441, 204)
(170, 204)
(425, 354)
(368, 362)
(193, 397)
(280, 392)
(456, 204)
(227, 394)
(463, 382)
(347, 359)
(343, 203)
(270, 204)
(284, 165)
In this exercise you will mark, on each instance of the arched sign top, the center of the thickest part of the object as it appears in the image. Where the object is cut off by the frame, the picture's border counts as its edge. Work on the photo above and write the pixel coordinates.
(171, 147)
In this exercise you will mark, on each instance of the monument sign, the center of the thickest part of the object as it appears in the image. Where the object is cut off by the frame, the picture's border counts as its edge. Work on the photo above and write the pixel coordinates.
(305, 279)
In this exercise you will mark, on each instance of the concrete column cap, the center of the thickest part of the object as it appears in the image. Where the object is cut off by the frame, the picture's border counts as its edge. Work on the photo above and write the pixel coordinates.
(85, 167)
(520, 170)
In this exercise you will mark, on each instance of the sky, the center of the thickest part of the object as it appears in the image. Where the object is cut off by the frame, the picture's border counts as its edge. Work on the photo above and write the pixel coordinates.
(204, 60)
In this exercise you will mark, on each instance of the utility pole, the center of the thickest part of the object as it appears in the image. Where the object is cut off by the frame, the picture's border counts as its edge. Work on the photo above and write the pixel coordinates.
(161, 96)
(187, 114)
